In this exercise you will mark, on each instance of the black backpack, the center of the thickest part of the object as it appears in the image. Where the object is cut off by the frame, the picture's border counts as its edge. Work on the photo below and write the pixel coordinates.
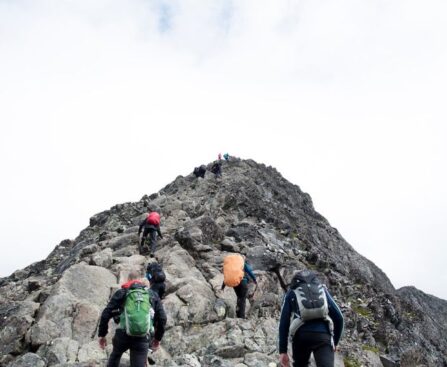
(155, 273)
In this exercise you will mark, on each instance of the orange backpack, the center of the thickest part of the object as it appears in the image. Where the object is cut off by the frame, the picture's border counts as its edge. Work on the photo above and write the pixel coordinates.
(233, 270)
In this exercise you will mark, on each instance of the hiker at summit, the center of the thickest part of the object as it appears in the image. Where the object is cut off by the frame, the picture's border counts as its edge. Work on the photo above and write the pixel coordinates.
(226, 156)
(142, 322)
(156, 277)
(312, 320)
(151, 227)
(237, 273)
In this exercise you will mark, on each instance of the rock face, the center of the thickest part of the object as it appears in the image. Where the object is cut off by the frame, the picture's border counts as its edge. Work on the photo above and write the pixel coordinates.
(49, 311)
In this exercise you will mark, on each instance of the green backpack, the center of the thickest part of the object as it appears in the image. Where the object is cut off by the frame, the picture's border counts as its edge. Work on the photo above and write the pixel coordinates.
(137, 316)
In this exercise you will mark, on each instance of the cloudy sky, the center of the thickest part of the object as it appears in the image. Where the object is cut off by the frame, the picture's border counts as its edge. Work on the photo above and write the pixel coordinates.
(104, 101)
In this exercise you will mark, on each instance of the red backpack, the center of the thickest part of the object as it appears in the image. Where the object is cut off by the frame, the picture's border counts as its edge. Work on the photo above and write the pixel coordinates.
(153, 218)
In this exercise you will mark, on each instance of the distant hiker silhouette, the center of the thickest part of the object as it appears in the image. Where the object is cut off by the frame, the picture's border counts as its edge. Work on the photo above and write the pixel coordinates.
(219, 157)
(200, 171)
(216, 168)
(236, 275)
(156, 277)
(142, 322)
(226, 156)
(151, 227)
(312, 320)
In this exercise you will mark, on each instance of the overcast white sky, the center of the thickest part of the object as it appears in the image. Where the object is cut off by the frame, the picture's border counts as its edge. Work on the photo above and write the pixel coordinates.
(104, 101)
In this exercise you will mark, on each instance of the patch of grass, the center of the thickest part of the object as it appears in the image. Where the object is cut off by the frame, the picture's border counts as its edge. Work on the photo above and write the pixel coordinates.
(361, 310)
(371, 348)
(351, 362)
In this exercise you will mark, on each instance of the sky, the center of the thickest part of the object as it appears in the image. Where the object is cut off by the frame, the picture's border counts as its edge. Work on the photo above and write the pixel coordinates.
(104, 101)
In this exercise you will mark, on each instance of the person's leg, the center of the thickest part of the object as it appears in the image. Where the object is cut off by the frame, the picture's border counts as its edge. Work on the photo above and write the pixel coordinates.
(120, 344)
(138, 351)
(241, 293)
(301, 351)
(323, 350)
(153, 240)
(143, 240)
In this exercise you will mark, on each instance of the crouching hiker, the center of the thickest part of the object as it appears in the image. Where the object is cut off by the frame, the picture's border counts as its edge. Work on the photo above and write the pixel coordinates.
(142, 322)
(236, 275)
(312, 320)
(156, 277)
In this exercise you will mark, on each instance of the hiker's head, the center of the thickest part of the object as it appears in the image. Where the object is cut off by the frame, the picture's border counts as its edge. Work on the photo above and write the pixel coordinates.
(133, 274)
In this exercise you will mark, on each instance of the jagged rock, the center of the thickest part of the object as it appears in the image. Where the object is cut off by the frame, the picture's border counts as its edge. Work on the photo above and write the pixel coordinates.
(103, 258)
(59, 350)
(28, 360)
(74, 305)
(15, 320)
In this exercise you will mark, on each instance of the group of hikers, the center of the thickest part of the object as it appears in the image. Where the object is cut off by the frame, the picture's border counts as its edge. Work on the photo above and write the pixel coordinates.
(216, 167)
(310, 318)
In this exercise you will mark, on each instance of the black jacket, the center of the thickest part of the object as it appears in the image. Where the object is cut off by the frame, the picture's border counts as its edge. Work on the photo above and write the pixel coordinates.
(117, 303)
(144, 224)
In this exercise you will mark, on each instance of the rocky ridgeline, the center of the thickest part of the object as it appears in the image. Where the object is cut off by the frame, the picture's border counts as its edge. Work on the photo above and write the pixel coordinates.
(49, 311)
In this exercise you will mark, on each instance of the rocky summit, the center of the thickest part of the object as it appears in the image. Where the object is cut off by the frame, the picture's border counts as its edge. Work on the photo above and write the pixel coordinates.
(49, 311)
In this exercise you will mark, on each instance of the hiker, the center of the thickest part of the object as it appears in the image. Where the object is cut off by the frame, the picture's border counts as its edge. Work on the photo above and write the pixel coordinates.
(142, 322)
(216, 168)
(200, 171)
(226, 156)
(236, 275)
(151, 227)
(156, 277)
(316, 325)
(219, 157)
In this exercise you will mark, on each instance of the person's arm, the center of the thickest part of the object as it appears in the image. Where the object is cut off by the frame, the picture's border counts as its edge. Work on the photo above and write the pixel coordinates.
(284, 323)
(115, 302)
(159, 232)
(140, 228)
(159, 317)
(336, 316)
(248, 270)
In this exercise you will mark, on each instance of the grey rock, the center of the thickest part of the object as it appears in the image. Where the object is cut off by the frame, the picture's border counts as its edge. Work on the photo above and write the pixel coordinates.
(28, 360)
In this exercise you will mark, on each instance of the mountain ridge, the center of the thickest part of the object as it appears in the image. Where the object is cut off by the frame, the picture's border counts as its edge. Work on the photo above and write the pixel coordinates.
(252, 210)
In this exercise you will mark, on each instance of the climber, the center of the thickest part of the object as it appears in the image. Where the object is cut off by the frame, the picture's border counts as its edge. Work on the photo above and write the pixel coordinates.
(219, 156)
(226, 156)
(236, 275)
(316, 326)
(156, 277)
(216, 168)
(134, 332)
(151, 227)
(200, 171)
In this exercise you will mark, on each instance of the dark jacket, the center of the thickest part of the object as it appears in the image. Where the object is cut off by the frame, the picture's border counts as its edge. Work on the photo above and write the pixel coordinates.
(290, 307)
(248, 273)
(150, 227)
(117, 303)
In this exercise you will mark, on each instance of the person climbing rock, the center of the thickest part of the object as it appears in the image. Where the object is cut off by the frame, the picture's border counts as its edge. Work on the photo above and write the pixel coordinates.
(151, 227)
(156, 277)
(200, 171)
(142, 322)
(226, 156)
(216, 168)
(312, 320)
(237, 274)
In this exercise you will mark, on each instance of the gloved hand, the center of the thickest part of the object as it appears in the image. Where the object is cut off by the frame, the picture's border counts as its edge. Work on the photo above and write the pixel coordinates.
(155, 344)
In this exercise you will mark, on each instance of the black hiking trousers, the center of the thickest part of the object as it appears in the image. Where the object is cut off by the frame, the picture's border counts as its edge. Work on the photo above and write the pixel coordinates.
(241, 293)
(137, 345)
(152, 239)
(307, 342)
